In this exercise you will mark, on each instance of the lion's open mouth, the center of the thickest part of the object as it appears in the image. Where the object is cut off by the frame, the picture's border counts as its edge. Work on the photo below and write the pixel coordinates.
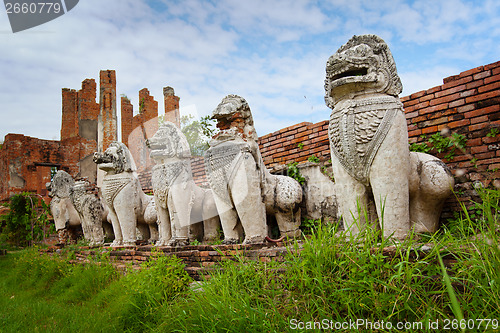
(351, 73)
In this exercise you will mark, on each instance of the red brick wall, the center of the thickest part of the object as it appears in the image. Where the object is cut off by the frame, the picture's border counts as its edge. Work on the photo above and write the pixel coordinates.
(25, 162)
(467, 104)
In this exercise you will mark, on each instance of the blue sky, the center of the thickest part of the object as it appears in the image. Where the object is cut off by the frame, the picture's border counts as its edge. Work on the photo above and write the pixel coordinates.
(272, 53)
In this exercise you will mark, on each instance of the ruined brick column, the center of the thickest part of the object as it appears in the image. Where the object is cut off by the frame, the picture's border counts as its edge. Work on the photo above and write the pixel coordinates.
(69, 124)
(107, 130)
(88, 110)
(127, 115)
(107, 125)
(171, 106)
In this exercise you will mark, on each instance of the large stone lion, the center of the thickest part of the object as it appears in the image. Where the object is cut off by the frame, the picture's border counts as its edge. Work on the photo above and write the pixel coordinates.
(369, 144)
(91, 211)
(66, 218)
(129, 207)
(244, 190)
(183, 207)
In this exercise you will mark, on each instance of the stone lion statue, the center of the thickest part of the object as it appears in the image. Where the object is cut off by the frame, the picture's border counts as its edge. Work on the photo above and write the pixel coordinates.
(244, 190)
(66, 218)
(129, 207)
(183, 207)
(91, 211)
(369, 144)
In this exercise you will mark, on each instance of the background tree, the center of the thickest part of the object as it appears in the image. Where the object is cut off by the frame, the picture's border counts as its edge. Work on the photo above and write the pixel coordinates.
(198, 133)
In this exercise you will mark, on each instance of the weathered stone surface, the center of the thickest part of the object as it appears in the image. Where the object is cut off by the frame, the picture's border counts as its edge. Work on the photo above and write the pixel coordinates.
(369, 144)
(244, 190)
(185, 211)
(320, 198)
(129, 207)
(64, 213)
(87, 203)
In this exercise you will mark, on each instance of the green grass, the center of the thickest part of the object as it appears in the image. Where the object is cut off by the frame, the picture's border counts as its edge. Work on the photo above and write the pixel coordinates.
(39, 293)
(332, 279)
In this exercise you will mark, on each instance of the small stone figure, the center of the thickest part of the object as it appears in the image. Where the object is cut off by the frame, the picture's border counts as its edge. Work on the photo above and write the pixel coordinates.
(244, 189)
(129, 207)
(181, 205)
(369, 144)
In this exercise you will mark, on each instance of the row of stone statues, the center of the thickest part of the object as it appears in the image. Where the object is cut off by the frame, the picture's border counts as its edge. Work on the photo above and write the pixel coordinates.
(375, 174)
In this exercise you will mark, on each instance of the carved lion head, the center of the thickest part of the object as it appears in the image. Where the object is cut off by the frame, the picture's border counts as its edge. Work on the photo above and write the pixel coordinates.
(234, 119)
(116, 159)
(363, 65)
(168, 142)
(60, 185)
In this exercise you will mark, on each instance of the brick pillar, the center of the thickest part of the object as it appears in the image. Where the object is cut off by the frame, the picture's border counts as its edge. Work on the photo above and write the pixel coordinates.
(107, 124)
(171, 106)
(147, 104)
(127, 110)
(69, 125)
(87, 106)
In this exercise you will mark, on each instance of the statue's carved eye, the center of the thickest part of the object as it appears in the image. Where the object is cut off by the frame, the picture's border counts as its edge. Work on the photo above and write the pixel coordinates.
(361, 50)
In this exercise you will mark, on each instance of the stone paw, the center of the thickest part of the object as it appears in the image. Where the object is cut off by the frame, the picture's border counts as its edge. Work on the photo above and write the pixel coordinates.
(161, 242)
(254, 240)
(178, 242)
(229, 241)
(116, 244)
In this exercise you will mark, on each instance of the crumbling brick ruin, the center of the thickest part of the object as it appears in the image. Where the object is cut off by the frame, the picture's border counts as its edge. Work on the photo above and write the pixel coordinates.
(467, 104)
(26, 163)
(137, 129)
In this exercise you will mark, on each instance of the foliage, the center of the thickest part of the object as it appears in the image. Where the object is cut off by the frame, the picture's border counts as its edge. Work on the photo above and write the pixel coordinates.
(27, 219)
(313, 159)
(309, 226)
(148, 290)
(198, 133)
(46, 293)
(493, 132)
(208, 126)
(343, 280)
(294, 172)
(440, 144)
(300, 145)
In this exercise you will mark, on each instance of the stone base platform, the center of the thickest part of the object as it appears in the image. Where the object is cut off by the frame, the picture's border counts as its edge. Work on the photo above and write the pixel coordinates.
(199, 259)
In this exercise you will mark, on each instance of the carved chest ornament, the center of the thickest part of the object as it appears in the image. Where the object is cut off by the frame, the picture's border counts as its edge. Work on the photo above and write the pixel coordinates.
(165, 175)
(357, 129)
(113, 184)
(220, 160)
